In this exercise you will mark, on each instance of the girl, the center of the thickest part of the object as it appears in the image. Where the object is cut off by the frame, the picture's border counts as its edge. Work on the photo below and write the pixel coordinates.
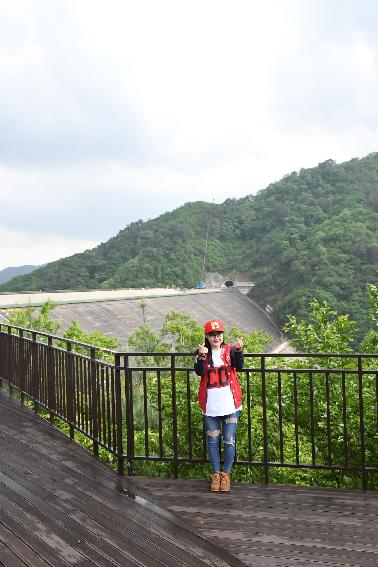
(220, 398)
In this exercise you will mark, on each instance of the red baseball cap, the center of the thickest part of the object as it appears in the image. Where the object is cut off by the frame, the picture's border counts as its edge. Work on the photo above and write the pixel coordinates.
(214, 325)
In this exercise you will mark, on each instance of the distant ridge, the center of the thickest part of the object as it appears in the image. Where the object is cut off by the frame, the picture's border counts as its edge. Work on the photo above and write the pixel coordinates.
(9, 273)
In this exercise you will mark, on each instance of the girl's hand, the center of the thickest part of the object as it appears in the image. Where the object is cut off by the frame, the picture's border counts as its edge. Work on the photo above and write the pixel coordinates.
(202, 349)
(239, 343)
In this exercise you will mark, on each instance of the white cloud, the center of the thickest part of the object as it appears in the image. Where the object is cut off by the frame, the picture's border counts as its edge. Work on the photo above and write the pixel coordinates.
(111, 112)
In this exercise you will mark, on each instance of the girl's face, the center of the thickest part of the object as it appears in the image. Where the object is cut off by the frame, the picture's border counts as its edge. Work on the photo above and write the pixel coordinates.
(215, 339)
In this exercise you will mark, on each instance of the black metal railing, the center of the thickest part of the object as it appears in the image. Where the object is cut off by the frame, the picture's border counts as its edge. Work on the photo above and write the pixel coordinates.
(307, 412)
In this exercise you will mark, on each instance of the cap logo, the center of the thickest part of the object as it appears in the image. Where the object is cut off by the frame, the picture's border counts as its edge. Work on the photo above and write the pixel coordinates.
(214, 325)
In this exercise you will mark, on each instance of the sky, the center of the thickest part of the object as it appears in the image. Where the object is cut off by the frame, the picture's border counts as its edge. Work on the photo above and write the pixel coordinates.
(119, 110)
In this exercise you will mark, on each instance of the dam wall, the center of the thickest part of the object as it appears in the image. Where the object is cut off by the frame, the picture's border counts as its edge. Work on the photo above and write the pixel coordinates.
(119, 313)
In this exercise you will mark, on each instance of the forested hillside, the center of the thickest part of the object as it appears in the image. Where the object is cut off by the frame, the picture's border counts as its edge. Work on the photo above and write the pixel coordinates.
(311, 234)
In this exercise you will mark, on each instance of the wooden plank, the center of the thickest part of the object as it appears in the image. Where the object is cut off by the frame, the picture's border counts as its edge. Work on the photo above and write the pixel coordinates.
(78, 505)
(181, 541)
(8, 558)
(276, 525)
(69, 536)
(21, 550)
(111, 518)
(13, 518)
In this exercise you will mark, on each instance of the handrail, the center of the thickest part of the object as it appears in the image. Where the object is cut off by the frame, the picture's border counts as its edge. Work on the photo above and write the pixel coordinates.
(296, 414)
(186, 353)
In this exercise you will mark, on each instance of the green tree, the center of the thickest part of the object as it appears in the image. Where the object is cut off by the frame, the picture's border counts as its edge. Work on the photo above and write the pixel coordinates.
(335, 391)
(182, 331)
(36, 319)
(95, 338)
(324, 332)
(370, 342)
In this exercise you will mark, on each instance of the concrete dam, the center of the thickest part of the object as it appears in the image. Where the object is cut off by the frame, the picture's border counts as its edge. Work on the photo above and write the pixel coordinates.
(118, 313)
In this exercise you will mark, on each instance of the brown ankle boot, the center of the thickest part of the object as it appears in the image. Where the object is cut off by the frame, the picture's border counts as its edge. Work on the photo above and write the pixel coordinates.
(225, 484)
(215, 482)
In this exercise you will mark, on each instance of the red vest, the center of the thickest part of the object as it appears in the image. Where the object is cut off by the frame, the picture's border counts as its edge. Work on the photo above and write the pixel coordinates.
(219, 377)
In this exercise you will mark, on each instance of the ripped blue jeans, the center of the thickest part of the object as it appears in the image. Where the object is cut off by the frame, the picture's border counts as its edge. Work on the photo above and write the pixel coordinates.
(214, 426)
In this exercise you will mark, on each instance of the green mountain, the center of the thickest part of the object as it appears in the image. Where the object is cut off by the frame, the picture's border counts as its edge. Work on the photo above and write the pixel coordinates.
(311, 234)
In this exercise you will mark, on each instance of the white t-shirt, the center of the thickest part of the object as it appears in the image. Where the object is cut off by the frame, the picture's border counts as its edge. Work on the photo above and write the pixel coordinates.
(220, 401)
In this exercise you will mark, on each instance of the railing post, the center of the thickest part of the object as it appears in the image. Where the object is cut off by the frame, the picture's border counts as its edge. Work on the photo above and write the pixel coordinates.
(174, 416)
(9, 364)
(70, 389)
(362, 425)
(264, 420)
(22, 366)
(118, 412)
(2, 356)
(34, 370)
(51, 380)
(129, 416)
(94, 402)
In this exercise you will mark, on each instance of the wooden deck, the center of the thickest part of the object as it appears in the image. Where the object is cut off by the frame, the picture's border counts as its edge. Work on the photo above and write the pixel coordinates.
(59, 506)
(278, 526)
